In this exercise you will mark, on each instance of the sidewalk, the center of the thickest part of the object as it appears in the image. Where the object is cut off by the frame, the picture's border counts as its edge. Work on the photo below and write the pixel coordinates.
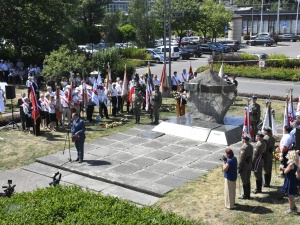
(138, 165)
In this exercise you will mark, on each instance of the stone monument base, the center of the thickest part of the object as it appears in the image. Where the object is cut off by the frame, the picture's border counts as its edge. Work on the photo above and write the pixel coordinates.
(191, 128)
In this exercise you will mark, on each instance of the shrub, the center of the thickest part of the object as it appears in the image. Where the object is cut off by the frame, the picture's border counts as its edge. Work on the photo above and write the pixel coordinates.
(246, 37)
(72, 205)
(135, 53)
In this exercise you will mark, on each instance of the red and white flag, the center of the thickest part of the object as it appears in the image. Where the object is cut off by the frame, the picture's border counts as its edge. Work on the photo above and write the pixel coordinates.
(191, 69)
(125, 85)
(298, 107)
(149, 88)
(247, 127)
(269, 120)
(289, 113)
(164, 82)
(35, 108)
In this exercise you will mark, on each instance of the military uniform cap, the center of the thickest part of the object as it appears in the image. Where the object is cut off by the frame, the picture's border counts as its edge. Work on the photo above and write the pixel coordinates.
(246, 137)
(260, 134)
(254, 97)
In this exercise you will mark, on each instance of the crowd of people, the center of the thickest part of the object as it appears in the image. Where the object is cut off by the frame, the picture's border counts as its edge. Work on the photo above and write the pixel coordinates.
(258, 158)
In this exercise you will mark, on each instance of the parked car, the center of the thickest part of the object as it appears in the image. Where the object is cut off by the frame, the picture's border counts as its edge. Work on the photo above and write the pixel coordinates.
(197, 40)
(195, 49)
(185, 53)
(288, 37)
(263, 34)
(174, 51)
(265, 41)
(225, 49)
(185, 41)
(210, 48)
(156, 55)
(234, 44)
(261, 55)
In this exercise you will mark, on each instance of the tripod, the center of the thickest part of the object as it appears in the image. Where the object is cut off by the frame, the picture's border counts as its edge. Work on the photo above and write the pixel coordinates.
(12, 117)
(67, 139)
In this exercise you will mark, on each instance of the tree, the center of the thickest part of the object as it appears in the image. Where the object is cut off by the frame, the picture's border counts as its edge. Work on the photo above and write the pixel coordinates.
(191, 15)
(138, 16)
(214, 17)
(128, 32)
(36, 25)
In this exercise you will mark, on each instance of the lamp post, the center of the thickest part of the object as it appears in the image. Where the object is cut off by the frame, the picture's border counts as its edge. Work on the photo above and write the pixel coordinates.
(277, 27)
(261, 16)
(296, 30)
(251, 33)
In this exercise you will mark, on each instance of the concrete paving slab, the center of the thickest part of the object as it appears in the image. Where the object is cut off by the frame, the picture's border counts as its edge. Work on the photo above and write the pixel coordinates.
(188, 143)
(136, 140)
(204, 165)
(150, 134)
(133, 196)
(181, 160)
(164, 167)
(168, 139)
(145, 127)
(139, 150)
(44, 170)
(122, 156)
(211, 147)
(103, 151)
(89, 147)
(215, 157)
(196, 153)
(125, 168)
(118, 137)
(188, 173)
(174, 148)
(132, 132)
(102, 142)
(147, 174)
(160, 155)
(143, 161)
(120, 145)
(153, 144)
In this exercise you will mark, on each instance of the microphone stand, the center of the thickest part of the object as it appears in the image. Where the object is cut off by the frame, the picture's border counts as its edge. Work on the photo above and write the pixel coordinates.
(67, 139)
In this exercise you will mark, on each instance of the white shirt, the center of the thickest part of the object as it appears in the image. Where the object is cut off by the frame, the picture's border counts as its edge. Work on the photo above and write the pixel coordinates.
(286, 141)
(156, 81)
(184, 77)
(28, 83)
(4, 67)
(175, 80)
(119, 89)
(114, 92)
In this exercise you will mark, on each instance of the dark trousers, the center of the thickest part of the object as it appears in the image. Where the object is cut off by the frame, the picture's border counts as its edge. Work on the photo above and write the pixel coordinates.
(120, 104)
(114, 102)
(89, 112)
(103, 108)
(37, 127)
(80, 148)
(23, 118)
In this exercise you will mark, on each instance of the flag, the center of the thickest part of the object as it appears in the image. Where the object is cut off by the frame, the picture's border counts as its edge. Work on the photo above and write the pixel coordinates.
(125, 85)
(149, 88)
(221, 72)
(247, 127)
(190, 70)
(35, 108)
(58, 107)
(289, 113)
(70, 93)
(164, 82)
(130, 94)
(298, 107)
(269, 120)
(108, 78)
(84, 94)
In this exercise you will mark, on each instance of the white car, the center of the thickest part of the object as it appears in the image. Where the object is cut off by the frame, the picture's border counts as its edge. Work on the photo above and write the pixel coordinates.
(156, 55)
(263, 34)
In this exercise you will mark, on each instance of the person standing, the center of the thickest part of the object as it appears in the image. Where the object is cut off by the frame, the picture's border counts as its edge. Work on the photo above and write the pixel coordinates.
(90, 106)
(245, 166)
(156, 101)
(114, 99)
(66, 113)
(230, 175)
(290, 181)
(268, 155)
(286, 144)
(257, 161)
(181, 101)
(137, 101)
(255, 110)
(27, 111)
(175, 81)
(2, 102)
(78, 135)
(21, 101)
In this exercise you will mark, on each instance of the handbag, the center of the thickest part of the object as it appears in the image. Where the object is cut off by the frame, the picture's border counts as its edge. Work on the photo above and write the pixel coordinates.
(75, 138)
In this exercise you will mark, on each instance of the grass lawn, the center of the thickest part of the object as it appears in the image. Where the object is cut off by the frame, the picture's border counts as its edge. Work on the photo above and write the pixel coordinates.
(200, 200)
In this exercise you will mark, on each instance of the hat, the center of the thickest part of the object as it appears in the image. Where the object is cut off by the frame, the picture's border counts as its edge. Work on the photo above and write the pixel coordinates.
(114, 83)
(260, 134)
(254, 97)
(246, 137)
(226, 76)
(268, 129)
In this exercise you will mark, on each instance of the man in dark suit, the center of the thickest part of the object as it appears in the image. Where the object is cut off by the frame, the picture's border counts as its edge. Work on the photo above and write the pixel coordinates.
(78, 135)
(22, 114)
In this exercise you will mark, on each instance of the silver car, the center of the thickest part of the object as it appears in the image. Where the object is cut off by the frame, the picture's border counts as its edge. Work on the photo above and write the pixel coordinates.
(156, 55)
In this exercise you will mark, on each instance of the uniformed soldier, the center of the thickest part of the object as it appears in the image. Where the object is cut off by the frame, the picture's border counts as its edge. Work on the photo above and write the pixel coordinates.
(268, 155)
(156, 101)
(137, 101)
(255, 110)
(257, 161)
(245, 166)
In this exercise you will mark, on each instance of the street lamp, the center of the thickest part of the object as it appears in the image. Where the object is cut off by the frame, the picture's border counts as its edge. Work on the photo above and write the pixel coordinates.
(261, 16)
(252, 19)
(297, 18)
(277, 27)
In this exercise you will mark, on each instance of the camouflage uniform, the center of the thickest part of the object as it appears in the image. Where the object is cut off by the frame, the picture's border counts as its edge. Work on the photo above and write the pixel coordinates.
(156, 101)
(268, 158)
(137, 101)
(255, 110)
(257, 163)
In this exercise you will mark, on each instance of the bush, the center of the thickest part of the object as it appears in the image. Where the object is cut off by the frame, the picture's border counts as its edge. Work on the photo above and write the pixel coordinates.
(246, 37)
(72, 205)
(135, 53)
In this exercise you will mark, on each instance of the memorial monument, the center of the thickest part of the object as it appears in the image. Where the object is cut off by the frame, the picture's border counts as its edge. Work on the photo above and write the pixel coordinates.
(209, 99)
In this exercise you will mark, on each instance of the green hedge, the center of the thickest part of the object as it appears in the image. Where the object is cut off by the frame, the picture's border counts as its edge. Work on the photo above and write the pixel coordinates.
(72, 205)
(135, 53)
(268, 73)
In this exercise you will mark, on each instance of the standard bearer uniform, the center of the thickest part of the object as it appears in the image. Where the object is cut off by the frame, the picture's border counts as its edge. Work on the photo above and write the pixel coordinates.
(257, 163)
(268, 158)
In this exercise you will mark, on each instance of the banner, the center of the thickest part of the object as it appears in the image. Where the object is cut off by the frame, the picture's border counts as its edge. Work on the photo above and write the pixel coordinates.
(149, 89)
(125, 85)
(35, 108)
(247, 127)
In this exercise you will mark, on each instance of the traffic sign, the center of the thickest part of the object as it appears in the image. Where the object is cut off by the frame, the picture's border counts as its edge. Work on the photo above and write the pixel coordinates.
(225, 28)
(261, 63)
(284, 24)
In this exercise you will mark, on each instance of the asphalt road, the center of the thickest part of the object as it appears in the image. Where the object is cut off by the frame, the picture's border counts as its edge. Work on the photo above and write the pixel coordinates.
(246, 85)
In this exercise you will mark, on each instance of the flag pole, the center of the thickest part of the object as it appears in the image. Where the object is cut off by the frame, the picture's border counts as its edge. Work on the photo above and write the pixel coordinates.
(287, 108)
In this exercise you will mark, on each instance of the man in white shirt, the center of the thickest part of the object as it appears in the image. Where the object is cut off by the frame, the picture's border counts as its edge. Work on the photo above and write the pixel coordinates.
(5, 71)
(66, 108)
(156, 81)
(114, 99)
(286, 144)
(120, 100)
(175, 81)
(184, 76)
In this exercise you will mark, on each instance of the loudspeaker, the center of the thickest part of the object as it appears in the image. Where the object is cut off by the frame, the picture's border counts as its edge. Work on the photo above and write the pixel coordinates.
(10, 92)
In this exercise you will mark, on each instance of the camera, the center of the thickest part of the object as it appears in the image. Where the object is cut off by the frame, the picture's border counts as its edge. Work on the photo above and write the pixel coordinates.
(55, 179)
(9, 190)
(223, 159)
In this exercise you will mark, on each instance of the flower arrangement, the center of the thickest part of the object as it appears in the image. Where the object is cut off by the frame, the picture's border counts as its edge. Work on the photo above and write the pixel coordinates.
(112, 125)
(277, 154)
(176, 95)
